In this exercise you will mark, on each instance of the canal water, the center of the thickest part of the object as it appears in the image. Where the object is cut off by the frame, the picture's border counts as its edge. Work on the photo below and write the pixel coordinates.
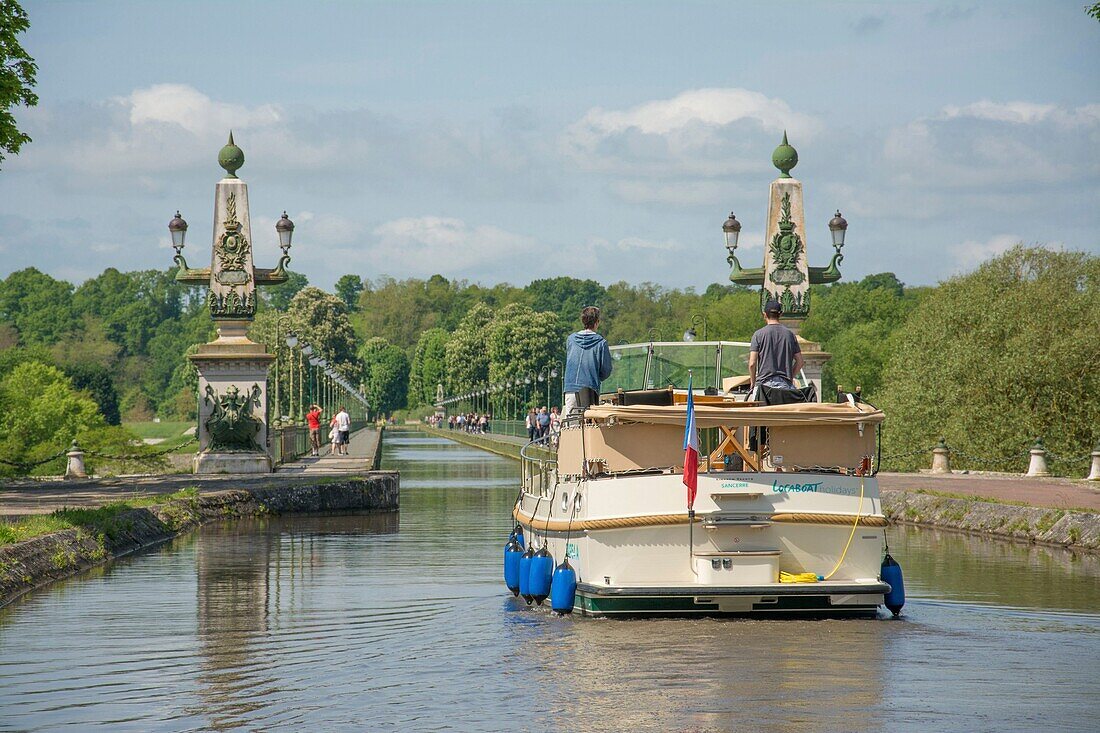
(401, 622)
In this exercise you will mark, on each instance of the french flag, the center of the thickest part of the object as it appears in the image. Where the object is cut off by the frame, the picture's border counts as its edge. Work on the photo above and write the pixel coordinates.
(691, 451)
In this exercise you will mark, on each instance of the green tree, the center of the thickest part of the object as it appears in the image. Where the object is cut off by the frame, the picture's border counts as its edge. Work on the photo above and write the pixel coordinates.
(40, 307)
(131, 305)
(400, 310)
(521, 341)
(565, 296)
(348, 289)
(467, 351)
(41, 413)
(95, 380)
(428, 367)
(386, 373)
(17, 76)
(279, 296)
(996, 357)
(321, 320)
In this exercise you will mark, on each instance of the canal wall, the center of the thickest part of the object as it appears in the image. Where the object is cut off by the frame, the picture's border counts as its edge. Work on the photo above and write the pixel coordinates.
(111, 533)
(1075, 530)
(492, 443)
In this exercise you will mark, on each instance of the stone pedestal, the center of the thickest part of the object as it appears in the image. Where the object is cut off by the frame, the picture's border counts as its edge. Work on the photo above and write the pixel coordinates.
(815, 360)
(232, 384)
(1037, 466)
(941, 458)
(75, 467)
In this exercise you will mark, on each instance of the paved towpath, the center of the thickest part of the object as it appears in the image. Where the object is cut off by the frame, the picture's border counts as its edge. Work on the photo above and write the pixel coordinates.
(21, 497)
(360, 457)
(1053, 492)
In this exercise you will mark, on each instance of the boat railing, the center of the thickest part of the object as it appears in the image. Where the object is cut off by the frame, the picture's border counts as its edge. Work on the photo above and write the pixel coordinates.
(539, 465)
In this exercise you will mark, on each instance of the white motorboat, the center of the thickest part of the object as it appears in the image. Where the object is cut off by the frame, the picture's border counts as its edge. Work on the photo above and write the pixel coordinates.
(787, 516)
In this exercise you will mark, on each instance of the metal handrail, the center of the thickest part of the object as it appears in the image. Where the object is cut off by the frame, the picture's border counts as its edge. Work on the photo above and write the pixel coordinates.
(529, 463)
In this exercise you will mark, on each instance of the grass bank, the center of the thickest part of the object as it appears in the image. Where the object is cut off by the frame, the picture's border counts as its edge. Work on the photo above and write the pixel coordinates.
(106, 520)
(41, 549)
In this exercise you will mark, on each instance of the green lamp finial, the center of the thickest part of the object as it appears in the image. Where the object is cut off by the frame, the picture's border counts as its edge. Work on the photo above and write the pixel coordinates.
(785, 157)
(231, 157)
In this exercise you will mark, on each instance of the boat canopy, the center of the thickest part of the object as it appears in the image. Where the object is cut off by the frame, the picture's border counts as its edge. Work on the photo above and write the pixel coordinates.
(660, 364)
(706, 416)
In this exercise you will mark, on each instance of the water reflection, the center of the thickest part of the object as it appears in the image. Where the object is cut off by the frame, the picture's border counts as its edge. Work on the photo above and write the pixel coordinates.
(250, 574)
(387, 623)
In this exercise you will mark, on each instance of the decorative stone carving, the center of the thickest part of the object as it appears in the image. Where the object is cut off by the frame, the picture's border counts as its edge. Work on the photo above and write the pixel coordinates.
(232, 426)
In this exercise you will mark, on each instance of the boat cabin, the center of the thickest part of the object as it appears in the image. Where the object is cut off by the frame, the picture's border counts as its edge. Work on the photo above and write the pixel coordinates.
(638, 427)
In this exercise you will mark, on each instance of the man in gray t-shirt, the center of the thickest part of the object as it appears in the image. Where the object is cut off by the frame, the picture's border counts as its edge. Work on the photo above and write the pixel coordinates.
(774, 356)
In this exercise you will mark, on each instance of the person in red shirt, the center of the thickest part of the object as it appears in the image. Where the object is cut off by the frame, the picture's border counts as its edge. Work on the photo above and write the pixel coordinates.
(313, 419)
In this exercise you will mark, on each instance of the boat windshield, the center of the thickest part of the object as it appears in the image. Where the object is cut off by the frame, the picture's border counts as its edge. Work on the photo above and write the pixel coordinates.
(663, 363)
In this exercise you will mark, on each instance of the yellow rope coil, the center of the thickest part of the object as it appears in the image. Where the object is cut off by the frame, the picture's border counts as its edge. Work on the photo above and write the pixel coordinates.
(785, 577)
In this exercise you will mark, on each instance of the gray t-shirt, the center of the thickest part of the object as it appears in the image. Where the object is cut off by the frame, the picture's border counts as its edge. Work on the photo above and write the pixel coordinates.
(776, 345)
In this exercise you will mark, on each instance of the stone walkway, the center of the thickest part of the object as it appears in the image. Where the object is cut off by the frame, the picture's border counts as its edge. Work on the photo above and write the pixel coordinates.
(1058, 493)
(360, 457)
(22, 497)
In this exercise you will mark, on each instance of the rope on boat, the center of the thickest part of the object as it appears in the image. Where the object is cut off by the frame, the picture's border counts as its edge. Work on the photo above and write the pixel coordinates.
(855, 524)
(652, 520)
(845, 519)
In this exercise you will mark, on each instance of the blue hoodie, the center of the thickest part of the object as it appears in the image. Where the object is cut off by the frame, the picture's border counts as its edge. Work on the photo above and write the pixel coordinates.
(587, 361)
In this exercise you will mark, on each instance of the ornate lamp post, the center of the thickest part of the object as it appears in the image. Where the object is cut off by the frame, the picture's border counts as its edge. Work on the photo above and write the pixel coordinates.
(291, 342)
(691, 333)
(549, 373)
(233, 424)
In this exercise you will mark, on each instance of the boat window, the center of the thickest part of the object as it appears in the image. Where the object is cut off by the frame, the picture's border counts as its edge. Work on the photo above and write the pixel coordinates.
(662, 363)
(628, 369)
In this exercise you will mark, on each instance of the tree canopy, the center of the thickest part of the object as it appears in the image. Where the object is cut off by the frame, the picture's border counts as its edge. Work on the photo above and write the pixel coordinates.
(386, 375)
(17, 76)
(994, 358)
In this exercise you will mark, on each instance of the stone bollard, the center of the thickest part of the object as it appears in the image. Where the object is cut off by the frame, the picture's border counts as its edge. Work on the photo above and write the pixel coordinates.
(1038, 465)
(1094, 474)
(75, 467)
(941, 458)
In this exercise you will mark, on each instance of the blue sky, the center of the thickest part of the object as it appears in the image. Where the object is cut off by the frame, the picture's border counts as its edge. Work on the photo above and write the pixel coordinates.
(511, 141)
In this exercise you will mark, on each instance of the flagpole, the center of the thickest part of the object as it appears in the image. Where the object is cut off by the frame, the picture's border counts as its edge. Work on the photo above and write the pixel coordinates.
(689, 429)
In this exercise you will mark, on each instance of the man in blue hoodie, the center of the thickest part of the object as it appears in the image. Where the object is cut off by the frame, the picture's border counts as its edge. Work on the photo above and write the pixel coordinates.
(587, 363)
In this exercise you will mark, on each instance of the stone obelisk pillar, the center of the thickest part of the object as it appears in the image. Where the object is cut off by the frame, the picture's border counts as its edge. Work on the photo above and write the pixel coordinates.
(232, 429)
(786, 269)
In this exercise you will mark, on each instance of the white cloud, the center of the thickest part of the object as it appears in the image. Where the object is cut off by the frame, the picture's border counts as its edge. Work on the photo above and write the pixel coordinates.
(627, 244)
(972, 253)
(1025, 113)
(988, 144)
(421, 246)
(700, 132)
(711, 107)
(185, 106)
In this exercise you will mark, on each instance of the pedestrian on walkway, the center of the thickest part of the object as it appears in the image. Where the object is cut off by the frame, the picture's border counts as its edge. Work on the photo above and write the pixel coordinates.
(333, 436)
(544, 422)
(587, 363)
(343, 426)
(313, 420)
(531, 423)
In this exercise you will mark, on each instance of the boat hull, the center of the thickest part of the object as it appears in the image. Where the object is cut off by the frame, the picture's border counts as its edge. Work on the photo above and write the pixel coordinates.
(789, 599)
(634, 554)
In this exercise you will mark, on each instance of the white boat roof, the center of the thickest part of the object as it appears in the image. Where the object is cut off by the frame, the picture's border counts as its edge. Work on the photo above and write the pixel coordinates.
(709, 416)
